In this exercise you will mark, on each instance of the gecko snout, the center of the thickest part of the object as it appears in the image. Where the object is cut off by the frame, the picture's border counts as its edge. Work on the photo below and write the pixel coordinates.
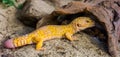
(89, 23)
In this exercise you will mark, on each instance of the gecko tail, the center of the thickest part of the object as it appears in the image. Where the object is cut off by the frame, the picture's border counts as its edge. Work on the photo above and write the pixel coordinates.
(17, 42)
(9, 44)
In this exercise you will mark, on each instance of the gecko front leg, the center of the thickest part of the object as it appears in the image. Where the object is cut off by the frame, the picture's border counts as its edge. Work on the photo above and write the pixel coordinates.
(39, 45)
(69, 36)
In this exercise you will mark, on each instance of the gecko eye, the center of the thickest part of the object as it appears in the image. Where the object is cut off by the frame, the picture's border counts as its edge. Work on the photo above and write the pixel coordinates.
(87, 21)
(78, 25)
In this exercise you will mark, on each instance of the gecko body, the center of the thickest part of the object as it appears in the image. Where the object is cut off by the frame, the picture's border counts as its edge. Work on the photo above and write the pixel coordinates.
(50, 32)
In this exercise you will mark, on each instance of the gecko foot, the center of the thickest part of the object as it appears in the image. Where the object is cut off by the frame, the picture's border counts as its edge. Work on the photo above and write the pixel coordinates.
(40, 49)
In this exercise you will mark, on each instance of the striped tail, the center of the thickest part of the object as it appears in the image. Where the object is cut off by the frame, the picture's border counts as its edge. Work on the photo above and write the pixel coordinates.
(17, 42)
(21, 41)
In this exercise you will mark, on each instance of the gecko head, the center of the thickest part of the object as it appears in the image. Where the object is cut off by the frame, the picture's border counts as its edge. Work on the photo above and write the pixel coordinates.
(82, 23)
(9, 43)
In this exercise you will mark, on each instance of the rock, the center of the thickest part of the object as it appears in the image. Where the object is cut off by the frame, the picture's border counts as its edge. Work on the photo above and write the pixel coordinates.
(34, 10)
(84, 47)
(27, 51)
(41, 8)
(37, 8)
(48, 20)
(10, 27)
(58, 3)
(7, 55)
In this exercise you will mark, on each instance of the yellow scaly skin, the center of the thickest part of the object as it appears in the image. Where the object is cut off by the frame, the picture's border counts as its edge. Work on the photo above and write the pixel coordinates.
(54, 31)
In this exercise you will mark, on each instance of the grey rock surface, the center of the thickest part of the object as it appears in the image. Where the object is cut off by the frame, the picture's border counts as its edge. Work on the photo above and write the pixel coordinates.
(41, 8)
(37, 8)
(10, 27)
(34, 10)
(57, 3)
(84, 47)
